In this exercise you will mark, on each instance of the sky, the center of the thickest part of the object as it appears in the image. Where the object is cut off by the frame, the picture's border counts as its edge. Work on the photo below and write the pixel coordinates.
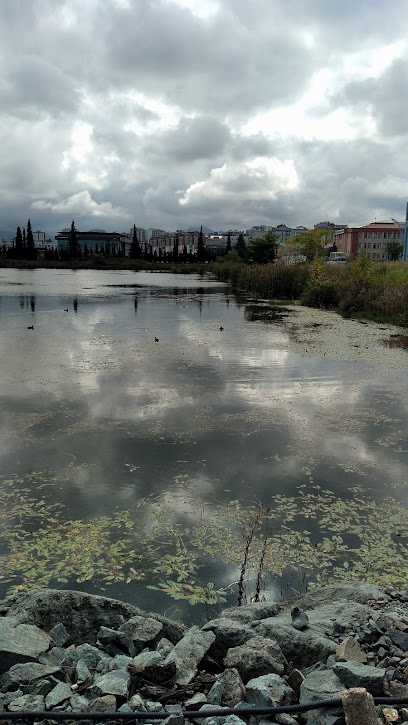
(227, 113)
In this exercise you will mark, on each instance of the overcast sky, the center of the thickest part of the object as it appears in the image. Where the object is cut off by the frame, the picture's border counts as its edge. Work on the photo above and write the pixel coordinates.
(228, 113)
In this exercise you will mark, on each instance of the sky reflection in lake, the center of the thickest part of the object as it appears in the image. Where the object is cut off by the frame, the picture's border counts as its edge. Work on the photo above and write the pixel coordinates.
(232, 411)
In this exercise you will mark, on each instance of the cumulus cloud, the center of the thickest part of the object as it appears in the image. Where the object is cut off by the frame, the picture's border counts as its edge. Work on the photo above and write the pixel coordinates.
(175, 112)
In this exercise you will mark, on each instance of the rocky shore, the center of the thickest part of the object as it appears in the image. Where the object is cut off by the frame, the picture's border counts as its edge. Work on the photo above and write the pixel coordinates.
(66, 651)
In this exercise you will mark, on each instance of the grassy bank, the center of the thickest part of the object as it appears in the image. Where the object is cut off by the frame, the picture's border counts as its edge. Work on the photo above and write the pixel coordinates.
(99, 261)
(374, 291)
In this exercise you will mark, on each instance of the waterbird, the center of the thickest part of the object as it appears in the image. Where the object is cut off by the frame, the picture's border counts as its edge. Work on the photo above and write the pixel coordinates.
(30, 328)
(156, 339)
(221, 328)
(66, 310)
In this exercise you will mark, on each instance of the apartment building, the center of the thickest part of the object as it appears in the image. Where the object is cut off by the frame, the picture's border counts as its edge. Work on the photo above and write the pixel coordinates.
(372, 238)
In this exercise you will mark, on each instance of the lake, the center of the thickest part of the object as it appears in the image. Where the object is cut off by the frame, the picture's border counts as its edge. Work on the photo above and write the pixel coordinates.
(121, 387)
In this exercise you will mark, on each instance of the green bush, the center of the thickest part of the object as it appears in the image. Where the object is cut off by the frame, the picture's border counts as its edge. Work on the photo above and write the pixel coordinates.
(320, 294)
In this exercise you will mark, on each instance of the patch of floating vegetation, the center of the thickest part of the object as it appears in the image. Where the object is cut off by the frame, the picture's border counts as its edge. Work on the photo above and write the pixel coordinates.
(265, 313)
(165, 539)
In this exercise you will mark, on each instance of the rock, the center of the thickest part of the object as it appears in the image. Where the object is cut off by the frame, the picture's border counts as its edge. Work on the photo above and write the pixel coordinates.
(214, 695)
(58, 694)
(59, 635)
(107, 703)
(54, 656)
(302, 648)
(82, 673)
(79, 703)
(114, 642)
(233, 687)
(284, 719)
(390, 714)
(294, 680)
(189, 652)
(115, 683)
(26, 674)
(82, 614)
(213, 720)
(399, 638)
(354, 674)
(195, 702)
(320, 685)
(300, 620)
(152, 670)
(228, 633)
(143, 631)
(20, 642)
(31, 703)
(349, 649)
(136, 703)
(348, 591)
(251, 612)
(259, 656)
(269, 691)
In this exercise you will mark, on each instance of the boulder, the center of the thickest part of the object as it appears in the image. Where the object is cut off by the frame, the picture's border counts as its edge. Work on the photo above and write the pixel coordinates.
(269, 691)
(81, 614)
(30, 703)
(354, 674)
(115, 682)
(20, 642)
(26, 674)
(189, 652)
(302, 648)
(115, 643)
(143, 631)
(251, 612)
(228, 633)
(60, 693)
(259, 656)
(349, 649)
(321, 685)
(233, 687)
(348, 591)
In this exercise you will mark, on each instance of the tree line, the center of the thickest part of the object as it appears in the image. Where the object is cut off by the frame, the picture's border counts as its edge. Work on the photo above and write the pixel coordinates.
(23, 246)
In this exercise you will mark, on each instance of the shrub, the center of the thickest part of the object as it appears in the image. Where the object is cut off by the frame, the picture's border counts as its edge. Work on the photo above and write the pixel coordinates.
(320, 294)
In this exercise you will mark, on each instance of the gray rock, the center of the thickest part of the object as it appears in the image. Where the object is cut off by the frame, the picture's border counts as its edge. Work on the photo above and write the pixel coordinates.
(54, 656)
(349, 649)
(114, 642)
(60, 693)
(233, 687)
(354, 674)
(125, 708)
(300, 620)
(152, 669)
(259, 656)
(26, 674)
(152, 706)
(215, 693)
(20, 642)
(348, 591)
(399, 638)
(320, 685)
(164, 647)
(175, 716)
(228, 633)
(196, 701)
(115, 682)
(82, 614)
(251, 612)
(120, 662)
(189, 652)
(31, 703)
(269, 691)
(148, 659)
(107, 703)
(213, 720)
(234, 720)
(82, 673)
(294, 680)
(10, 696)
(143, 631)
(40, 687)
(59, 635)
(302, 648)
(284, 719)
(79, 703)
(136, 703)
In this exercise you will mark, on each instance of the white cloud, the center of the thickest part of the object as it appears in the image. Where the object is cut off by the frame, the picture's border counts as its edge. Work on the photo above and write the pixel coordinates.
(81, 203)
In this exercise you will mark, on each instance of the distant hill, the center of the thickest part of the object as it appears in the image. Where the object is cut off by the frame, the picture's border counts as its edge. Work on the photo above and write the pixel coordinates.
(5, 234)
(206, 230)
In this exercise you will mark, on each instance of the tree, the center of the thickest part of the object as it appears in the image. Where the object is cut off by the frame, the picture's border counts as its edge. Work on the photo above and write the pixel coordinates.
(240, 246)
(135, 251)
(394, 250)
(200, 246)
(262, 250)
(30, 242)
(175, 251)
(310, 243)
(228, 247)
(19, 244)
(73, 244)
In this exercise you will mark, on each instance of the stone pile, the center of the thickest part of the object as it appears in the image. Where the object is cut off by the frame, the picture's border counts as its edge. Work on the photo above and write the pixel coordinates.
(74, 652)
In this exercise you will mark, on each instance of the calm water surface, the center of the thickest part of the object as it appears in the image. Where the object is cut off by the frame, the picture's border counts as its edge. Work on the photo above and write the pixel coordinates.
(232, 411)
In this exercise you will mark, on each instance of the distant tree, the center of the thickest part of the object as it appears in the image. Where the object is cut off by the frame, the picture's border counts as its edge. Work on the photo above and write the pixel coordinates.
(311, 244)
(233, 256)
(155, 255)
(201, 246)
(24, 245)
(160, 254)
(135, 251)
(262, 250)
(228, 247)
(184, 256)
(86, 252)
(240, 246)
(18, 249)
(73, 244)
(31, 251)
(175, 251)
(394, 250)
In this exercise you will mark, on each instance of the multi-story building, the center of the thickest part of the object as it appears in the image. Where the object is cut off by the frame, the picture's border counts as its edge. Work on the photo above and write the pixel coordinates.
(372, 238)
(166, 242)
